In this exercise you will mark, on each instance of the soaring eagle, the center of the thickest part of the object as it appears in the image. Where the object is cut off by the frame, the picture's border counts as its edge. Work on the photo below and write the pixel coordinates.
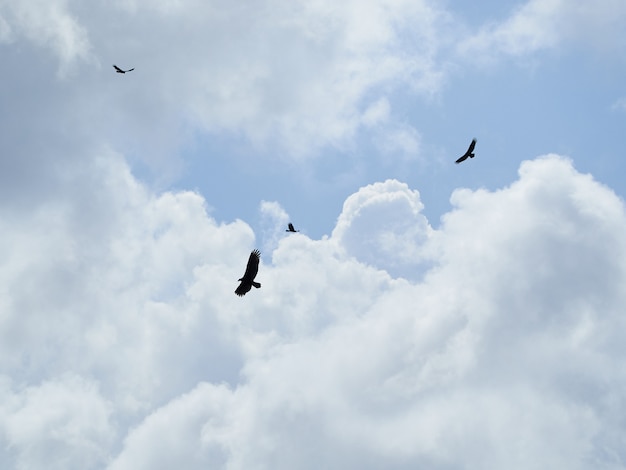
(291, 229)
(469, 153)
(119, 70)
(247, 281)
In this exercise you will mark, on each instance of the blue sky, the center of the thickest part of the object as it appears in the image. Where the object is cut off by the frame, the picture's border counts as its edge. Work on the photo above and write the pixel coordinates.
(560, 99)
(428, 315)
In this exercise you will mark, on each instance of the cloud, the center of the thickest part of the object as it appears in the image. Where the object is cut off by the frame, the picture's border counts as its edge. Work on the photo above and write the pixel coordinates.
(539, 25)
(381, 225)
(274, 221)
(124, 346)
(619, 104)
(46, 24)
(61, 423)
(530, 28)
(298, 81)
(401, 139)
(391, 137)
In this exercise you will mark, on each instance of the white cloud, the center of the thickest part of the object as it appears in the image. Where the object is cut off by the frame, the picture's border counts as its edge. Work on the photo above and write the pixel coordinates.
(401, 139)
(274, 220)
(382, 225)
(530, 28)
(124, 346)
(48, 24)
(297, 75)
(391, 137)
(376, 113)
(546, 24)
(61, 423)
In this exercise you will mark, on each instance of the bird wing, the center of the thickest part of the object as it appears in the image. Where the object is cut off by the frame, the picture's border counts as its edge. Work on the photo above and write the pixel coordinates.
(253, 265)
(130, 70)
(463, 158)
(291, 229)
(244, 287)
(117, 68)
(471, 147)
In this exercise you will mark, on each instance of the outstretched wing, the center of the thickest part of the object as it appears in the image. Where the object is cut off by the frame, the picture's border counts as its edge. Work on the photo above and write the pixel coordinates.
(462, 159)
(471, 147)
(253, 265)
(291, 229)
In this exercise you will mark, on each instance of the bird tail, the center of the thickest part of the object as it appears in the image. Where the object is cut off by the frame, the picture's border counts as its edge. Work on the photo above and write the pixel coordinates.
(471, 155)
(256, 284)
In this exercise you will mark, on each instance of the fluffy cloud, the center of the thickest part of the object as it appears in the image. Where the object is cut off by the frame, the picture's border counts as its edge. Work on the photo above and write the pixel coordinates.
(61, 423)
(123, 345)
(381, 225)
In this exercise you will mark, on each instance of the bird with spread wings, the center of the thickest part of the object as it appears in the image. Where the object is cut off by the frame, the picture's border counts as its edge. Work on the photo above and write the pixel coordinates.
(469, 153)
(247, 280)
(119, 70)
(291, 228)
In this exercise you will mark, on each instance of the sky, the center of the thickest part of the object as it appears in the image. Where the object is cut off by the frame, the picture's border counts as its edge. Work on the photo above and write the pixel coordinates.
(427, 315)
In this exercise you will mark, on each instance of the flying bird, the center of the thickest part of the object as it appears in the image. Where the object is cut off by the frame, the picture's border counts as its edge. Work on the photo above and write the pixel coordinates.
(119, 70)
(469, 153)
(247, 281)
(291, 229)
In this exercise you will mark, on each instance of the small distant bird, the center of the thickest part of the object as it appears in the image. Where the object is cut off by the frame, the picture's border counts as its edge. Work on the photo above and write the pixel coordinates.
(247, 281)
(119, 70)
(469, 153)
(291, 229)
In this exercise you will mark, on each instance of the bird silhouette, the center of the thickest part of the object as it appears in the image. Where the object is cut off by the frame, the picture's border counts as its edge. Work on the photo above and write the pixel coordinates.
(469, 153)
(119, 70)
(247, 280)
(291, 229)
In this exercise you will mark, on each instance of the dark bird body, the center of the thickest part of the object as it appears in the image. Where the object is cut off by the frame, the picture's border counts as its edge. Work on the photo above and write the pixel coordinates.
(119, 70)
(469, 153)
(291, 229)
(247, 281)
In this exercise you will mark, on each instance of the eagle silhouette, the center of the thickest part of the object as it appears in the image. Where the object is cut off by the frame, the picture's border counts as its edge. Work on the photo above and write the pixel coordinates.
(119, 70)
(247, 281)
(469, 153)
(291, 229)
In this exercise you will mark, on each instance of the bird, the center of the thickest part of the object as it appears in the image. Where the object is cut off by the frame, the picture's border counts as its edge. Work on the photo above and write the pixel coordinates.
(119, 70)
(291, 229)
(469, 153)
(247, 280)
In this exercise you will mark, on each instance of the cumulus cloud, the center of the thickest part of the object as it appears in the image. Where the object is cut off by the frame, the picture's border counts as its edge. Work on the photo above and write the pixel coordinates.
(490, 342)
(124, 346)
(382, 225)
(61, 423)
